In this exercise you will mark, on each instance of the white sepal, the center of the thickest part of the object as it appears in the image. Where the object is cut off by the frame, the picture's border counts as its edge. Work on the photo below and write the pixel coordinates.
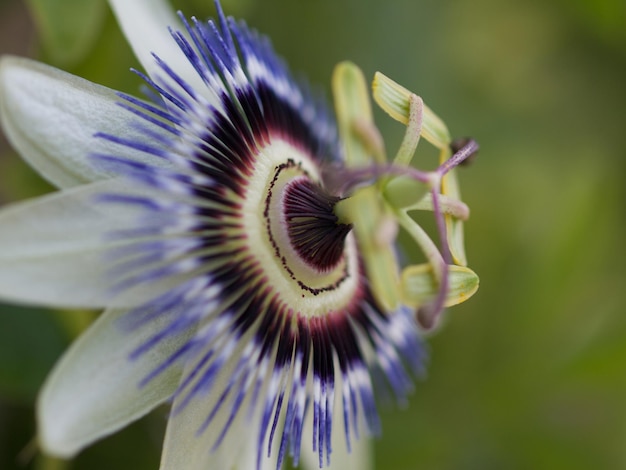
(51, 116)
(94, 389)
(53, 249)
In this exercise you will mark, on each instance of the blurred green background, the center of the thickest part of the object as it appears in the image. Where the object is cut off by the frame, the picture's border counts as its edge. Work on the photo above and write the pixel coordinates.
(531, 372)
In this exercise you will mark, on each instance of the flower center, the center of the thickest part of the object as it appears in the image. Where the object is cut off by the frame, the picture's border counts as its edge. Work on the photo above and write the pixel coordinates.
(307, 257)
(313, 228)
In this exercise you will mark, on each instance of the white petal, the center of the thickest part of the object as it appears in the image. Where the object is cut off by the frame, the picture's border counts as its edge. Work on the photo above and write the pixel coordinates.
(94, 389)
(185, 448)
(145, 24)
(50, 117)
(52, 249)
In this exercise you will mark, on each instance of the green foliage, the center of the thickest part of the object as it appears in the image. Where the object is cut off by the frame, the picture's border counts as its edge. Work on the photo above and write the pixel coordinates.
(30, 342)
(68, 28)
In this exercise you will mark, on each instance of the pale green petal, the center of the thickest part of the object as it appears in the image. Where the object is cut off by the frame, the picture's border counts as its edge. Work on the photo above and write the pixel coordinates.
(94, 389)
(50, 117)
(354, 116)
(420, 287)
(145, 24)
(394, 100)
(52, 249)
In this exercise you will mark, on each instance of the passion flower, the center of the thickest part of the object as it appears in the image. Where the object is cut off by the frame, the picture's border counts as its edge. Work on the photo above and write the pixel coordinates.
(240, 239)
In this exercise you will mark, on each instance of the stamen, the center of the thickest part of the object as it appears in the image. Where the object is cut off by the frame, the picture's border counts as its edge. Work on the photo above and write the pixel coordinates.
(427, 316)
(460, 142)
(343, 180)
(468, 149)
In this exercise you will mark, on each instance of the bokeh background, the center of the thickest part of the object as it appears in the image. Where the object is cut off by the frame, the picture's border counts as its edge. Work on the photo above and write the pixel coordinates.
(531, 372)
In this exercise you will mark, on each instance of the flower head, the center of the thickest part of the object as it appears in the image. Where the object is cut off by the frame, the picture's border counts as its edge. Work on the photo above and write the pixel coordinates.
(240, 240)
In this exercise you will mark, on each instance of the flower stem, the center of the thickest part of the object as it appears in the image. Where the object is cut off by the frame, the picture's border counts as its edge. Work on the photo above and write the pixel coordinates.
(46, 462)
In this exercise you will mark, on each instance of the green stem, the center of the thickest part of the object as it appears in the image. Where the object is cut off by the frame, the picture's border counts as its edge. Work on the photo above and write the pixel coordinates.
(45, 462)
